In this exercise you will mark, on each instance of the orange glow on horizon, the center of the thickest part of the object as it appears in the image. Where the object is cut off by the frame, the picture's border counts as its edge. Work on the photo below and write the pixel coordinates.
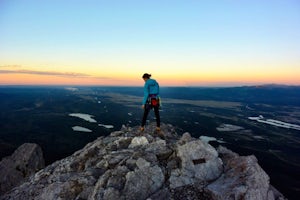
(135, 80)
(30, 79)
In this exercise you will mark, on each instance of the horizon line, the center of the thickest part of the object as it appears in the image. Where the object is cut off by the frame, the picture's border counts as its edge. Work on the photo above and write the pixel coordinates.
(164, 86)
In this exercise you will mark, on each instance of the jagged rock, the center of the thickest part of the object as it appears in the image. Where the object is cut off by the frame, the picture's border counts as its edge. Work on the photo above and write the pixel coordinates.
(128, 165)
(199, 162)
(186, 137)
(26, 160)
(241, 169)
(138, 141)
(143, 182)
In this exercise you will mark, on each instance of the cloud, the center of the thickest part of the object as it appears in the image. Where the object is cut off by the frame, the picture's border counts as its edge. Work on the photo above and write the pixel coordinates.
(10, 66)
(48, 73)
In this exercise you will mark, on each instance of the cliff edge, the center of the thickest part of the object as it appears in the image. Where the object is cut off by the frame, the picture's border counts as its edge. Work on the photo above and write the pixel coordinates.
(126, 165)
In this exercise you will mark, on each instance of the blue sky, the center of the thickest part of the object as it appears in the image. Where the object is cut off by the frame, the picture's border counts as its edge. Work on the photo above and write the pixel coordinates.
(196, 40)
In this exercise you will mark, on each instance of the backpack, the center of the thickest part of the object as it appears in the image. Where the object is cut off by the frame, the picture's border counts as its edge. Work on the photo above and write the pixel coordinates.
(153, 100)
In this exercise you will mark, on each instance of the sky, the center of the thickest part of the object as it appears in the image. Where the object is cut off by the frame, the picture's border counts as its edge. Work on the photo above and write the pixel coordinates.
(181, 43)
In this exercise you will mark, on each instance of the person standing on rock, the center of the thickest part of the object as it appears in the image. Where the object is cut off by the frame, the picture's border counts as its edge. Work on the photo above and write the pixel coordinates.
(150, 100)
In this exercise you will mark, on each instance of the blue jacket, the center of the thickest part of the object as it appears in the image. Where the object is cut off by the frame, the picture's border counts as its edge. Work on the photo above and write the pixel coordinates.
(150, 87)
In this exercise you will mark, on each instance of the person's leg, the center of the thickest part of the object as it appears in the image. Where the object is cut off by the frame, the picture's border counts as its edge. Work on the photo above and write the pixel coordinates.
(156, 111)
(146, 112)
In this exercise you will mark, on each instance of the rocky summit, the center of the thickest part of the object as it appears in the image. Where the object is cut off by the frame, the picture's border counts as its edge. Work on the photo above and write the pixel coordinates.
(129, 164)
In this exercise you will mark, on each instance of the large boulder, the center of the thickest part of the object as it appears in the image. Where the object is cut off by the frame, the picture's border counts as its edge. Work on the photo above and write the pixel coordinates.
(242, 178)
(199, 163)
(25, 161)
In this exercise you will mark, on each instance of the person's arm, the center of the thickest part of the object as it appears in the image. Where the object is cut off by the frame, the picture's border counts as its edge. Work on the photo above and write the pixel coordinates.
(157, 88)
(146, 93)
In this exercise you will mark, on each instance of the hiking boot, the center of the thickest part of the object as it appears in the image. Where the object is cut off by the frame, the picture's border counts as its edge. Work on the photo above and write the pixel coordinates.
(140, 133)
(159, 133)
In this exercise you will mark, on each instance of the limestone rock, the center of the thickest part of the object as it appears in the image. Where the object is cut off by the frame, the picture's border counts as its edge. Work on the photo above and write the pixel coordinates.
(243, 178)
(127, 165)
(143, 182)
(199, 163)
(26, 160)
(138, 141)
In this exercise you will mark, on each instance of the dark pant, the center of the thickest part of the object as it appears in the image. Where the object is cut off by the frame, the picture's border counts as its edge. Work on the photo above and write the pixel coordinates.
(146, 112)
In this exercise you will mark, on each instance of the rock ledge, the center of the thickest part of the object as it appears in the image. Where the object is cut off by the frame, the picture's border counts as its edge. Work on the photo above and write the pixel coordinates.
(126, 165)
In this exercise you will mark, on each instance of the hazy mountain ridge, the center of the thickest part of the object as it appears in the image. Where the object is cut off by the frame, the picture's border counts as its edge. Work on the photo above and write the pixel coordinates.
(128, 165)
(275, 94)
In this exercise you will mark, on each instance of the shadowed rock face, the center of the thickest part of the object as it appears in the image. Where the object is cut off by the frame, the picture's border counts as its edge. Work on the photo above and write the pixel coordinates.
(25, 161)
(128, 165)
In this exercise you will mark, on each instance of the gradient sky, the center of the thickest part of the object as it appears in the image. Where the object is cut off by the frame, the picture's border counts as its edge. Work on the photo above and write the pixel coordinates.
(181, 43)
